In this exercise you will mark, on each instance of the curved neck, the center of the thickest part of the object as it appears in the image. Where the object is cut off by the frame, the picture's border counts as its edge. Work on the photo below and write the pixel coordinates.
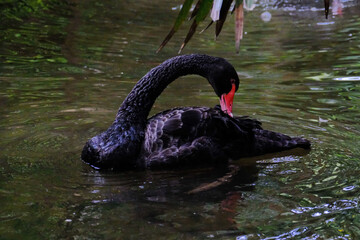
(138, 103)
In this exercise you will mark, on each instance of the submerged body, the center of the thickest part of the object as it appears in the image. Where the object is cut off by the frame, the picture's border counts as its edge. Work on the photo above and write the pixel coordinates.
(182, 136)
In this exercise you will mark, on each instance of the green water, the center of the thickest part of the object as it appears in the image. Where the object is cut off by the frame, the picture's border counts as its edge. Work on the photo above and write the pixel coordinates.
(65, 71)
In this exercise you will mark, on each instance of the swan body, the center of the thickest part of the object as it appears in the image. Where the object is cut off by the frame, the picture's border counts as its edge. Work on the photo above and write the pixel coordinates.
(191, 135)
(182, 136)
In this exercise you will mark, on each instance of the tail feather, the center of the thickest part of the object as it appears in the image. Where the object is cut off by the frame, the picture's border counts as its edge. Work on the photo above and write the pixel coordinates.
(260, 141)
(268, 142)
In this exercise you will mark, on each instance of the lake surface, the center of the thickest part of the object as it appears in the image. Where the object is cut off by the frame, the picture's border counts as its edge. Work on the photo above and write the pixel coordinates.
(64, 73)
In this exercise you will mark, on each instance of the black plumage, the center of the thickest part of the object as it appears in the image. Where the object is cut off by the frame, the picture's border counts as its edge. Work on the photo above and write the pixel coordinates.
(181, 136)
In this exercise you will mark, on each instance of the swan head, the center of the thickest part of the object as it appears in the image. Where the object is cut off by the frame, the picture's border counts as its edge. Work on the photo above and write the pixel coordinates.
(225, 82)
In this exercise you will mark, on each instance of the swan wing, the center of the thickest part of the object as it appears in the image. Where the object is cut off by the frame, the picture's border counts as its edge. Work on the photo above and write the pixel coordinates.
(192, 134)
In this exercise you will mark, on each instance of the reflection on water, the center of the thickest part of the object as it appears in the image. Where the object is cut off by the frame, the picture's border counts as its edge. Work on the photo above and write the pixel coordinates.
(64, 74)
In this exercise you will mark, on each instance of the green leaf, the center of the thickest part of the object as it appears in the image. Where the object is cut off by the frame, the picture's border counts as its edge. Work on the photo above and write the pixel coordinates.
(182, 14)
(204, 9)
(196, 9)
(189, 35)
(179, 20)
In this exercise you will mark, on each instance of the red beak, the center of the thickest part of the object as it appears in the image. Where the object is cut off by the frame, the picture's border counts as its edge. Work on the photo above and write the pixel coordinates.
(226, 101)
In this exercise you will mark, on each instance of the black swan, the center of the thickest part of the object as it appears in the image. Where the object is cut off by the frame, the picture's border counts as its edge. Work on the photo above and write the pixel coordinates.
(182, 136)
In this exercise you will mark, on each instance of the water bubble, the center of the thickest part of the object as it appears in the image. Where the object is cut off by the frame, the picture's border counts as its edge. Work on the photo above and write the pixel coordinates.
(243, 237)
(355, 78)
(324, 23)
(349, 188)
(317, 214)
(266, 16)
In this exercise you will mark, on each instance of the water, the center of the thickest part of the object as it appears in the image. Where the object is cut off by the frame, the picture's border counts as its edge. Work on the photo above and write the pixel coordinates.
(65, 72)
